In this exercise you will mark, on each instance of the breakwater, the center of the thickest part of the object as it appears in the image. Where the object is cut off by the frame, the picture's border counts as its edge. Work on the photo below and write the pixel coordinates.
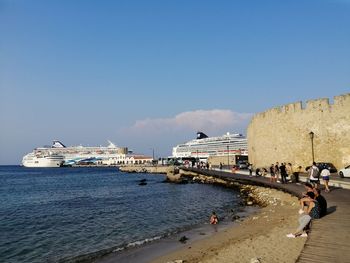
(156, 169)
(251, 194)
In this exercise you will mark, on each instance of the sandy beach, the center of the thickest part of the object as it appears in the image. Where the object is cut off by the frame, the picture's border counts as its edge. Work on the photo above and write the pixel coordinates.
(259, 238)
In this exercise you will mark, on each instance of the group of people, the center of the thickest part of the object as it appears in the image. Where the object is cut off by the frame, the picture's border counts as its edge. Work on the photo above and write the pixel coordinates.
(315, 174)
(283, 171)
(312, 206)
(197, 164)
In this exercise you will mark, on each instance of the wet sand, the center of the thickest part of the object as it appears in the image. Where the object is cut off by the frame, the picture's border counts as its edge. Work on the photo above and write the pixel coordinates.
(152, 250)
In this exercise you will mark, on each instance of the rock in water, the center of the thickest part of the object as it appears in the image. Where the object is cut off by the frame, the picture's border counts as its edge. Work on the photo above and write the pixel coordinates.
(183, 239)
(143, 182)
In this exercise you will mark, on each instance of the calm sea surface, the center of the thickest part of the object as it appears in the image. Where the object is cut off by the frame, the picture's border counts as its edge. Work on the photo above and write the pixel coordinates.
(58, 214)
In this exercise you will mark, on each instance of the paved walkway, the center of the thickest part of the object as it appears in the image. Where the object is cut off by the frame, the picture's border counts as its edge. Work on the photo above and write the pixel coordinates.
(329, 240)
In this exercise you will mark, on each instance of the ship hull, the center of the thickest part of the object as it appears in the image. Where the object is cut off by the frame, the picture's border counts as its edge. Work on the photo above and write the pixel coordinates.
(48, 162)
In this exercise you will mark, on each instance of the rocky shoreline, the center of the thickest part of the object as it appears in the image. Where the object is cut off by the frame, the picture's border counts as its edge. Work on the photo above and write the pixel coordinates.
(258, 238)
(252, 195)
(154, 169)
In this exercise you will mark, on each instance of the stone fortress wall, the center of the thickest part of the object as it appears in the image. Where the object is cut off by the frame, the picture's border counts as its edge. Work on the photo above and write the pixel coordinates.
(282, 134)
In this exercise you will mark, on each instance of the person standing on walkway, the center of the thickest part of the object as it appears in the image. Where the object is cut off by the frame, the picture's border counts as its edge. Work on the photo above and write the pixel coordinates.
(257, 172)
(283, 173)
(289, 169)
(277, 170)
(314, 174)
(272, 174)
(250, 168)
(296, 174)
(325, 177)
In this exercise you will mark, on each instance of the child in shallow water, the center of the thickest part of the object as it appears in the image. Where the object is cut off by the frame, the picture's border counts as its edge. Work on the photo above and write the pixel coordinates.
(214, 219)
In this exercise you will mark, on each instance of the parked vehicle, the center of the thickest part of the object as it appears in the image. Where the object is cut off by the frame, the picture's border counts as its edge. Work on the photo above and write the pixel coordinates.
(345, 172)
(322, 166)
(242, 165)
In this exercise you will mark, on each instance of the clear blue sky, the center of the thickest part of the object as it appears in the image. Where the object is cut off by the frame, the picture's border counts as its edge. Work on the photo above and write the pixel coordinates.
(149, 74)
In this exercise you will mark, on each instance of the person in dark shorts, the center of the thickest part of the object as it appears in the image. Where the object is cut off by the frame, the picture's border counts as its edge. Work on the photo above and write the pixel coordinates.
(277, 170)
(325, 177)
(272, 173)
(283, 173)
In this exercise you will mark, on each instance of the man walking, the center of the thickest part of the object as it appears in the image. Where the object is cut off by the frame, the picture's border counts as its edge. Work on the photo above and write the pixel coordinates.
(314, 174)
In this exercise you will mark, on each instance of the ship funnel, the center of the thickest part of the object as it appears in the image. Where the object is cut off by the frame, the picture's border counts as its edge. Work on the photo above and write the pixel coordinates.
(201, 135)
(58, 144)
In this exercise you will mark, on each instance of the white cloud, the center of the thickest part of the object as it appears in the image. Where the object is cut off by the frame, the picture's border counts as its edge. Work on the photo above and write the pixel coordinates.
(161, 134)
(199, 120)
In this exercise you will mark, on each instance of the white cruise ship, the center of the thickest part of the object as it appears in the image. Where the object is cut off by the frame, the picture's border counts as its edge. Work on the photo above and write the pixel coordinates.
(203, 146)
(58, 154)
(42, 160)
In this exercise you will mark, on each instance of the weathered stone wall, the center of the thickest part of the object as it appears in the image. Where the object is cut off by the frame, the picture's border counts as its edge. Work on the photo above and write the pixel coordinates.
(282, 134)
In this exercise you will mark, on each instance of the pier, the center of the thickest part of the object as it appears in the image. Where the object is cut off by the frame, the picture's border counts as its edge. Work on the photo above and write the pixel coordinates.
(329, 236)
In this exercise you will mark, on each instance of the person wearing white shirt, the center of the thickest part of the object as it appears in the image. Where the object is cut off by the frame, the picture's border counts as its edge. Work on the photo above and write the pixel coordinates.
(325, 177)
(314, 174)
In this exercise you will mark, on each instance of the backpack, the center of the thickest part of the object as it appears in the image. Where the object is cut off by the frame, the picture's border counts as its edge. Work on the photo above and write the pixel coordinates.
(314, 172)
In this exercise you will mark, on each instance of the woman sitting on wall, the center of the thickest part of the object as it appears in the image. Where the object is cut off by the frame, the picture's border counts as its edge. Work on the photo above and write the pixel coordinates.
(312, 212)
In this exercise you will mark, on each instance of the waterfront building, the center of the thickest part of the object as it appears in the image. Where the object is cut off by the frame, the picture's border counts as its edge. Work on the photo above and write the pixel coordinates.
(136, 159)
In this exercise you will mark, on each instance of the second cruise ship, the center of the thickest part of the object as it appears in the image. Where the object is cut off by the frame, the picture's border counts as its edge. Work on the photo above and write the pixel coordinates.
(204, 147)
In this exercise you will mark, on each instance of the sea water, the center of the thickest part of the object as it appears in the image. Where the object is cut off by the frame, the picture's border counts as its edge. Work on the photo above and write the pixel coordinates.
(61, 214)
